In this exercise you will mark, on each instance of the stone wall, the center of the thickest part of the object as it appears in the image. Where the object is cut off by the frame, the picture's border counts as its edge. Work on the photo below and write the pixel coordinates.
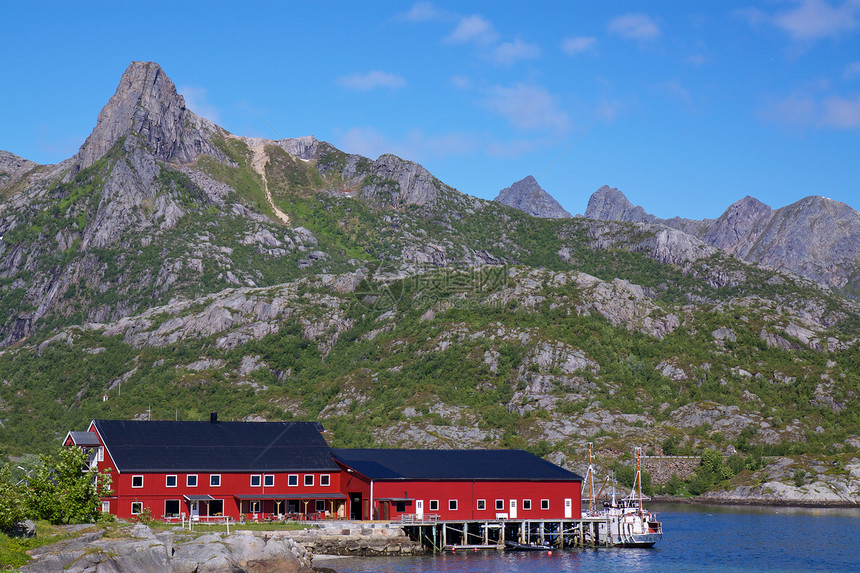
(357, 539)
(661, 468)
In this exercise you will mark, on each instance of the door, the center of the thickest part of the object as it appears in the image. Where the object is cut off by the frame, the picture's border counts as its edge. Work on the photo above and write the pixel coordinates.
(195, 510)
(419, 508)
(568, 508)
(355, 505)
(512, 509)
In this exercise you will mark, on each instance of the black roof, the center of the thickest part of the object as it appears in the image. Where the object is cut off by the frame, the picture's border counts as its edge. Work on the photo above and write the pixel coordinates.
(452, 465)
(216, 446)
(84, 439)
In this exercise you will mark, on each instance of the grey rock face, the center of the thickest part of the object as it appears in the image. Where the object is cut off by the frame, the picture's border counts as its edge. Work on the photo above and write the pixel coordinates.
(146, 103)
(816, 237)
(13, 168)
(413, 185)
(529, 197)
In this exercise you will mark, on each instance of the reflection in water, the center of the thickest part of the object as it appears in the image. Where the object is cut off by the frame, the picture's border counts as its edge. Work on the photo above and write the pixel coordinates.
(696, 538)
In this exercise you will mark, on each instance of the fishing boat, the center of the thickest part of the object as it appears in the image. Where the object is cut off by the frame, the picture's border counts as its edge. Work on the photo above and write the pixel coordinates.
(623, 520)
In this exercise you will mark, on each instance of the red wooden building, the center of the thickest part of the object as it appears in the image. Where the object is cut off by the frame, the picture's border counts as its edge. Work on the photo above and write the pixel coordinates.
(458, 484)
(203, 469)
(257, 470)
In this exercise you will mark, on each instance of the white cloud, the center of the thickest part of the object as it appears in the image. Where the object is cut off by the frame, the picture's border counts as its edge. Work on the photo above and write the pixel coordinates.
(527, 107)
(195, 100)
(371, 80)
(414, 145)
(634, 27)
(815, 19)
(473, 28)
(809, 20)
(578, 44)
(841, 113)
(424, 12)
(852, 70)
(676, 89)
(508, 53)
(799, 110)
(461, 82)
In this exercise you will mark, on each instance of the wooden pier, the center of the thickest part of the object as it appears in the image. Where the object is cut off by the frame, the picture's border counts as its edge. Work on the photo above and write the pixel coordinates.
(479, 535)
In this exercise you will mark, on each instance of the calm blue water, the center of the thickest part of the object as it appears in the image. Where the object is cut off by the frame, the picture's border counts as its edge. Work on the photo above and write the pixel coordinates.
(695, 538)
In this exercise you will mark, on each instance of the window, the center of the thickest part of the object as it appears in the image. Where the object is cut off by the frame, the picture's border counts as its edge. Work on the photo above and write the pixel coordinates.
(136, 481)
(482, 504)
(136, 507)
(100, 455)
(452, 504)
(527, 504)
(268, 480)
(544, 504)
(191, 480)
(434, 505)
(171, 507)
(293, 480)
(105, 507)
(309, 479)
(500, 505)
(320, 505)
(170, 481)
(215, 480)
(255, 481)
(400, 506)
(325, 480)
(254, 506)
(216, 507)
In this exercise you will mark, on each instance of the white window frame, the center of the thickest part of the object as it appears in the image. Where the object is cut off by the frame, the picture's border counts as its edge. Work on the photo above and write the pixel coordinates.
(213, 478)
(500, 505)
(133, 478)
(319, 505)
(527, 504)
(188, 479)
(325, 480)
(258, 478)
(293, 480)
(100, 455)
(178, 506)
(309, 480)
(268, 480)
(138, 505)
(434, 505)
(544, 504)
(452, 505)
(167, 480)
(255, 502)
(106, 507)
(482, 505)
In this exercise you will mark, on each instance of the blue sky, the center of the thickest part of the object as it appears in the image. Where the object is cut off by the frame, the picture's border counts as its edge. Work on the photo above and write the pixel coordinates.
(686, 107)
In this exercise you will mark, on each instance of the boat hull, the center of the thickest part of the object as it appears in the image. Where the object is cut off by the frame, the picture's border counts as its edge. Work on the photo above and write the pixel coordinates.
(640, 540)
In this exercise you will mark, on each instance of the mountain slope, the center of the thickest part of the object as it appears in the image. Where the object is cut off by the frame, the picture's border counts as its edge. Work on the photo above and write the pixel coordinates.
(815, 237)
(152, 268)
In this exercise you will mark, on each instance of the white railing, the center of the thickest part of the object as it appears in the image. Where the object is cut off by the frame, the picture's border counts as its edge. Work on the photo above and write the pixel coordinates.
(414, 518)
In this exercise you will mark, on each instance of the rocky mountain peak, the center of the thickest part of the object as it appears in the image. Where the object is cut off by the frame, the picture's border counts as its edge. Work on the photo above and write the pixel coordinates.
(146, 103)
(529, 197)
(610, 204)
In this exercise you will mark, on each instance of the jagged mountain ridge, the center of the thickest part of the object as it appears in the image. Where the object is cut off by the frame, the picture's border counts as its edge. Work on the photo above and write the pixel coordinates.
(529, 197)
(816, 237)
(160, 268)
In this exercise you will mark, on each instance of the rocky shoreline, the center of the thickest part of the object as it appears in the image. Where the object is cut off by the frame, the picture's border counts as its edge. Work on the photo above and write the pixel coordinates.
(137, 548)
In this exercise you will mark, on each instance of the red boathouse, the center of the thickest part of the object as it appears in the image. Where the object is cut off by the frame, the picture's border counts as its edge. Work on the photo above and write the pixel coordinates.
(278, 470)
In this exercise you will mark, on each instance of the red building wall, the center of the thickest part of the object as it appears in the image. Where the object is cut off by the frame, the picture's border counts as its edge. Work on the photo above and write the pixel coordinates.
(466, 495)
(154, 491)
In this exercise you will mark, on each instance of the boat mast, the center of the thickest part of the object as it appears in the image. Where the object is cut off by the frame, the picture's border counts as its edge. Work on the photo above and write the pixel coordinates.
(591, 501)
(639, 475)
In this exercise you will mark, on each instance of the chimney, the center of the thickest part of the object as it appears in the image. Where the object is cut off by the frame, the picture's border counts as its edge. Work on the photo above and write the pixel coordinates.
(213, 417)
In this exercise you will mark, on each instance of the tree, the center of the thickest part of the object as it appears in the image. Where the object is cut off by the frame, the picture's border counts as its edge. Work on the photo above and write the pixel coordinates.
(12, 500)
(65, 489)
